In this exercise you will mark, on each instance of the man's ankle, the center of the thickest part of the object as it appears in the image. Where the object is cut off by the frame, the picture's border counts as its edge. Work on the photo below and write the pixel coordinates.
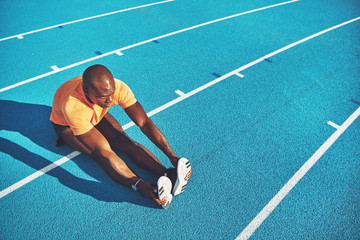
(174, 160)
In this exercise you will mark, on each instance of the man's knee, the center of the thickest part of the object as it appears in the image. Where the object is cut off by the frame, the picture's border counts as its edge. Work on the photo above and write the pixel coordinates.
(67, 137)
(114, 133)
(124, 142)
(110, 122)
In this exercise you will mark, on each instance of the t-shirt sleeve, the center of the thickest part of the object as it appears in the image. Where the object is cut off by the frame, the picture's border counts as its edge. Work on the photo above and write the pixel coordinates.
(126, 96)
(78, 116)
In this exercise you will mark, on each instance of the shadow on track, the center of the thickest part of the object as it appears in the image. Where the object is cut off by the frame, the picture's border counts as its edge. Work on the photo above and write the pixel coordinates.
(32, 121)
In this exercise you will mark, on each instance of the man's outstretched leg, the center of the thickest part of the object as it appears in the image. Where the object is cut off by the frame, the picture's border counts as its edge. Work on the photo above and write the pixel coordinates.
(115, 168)
(118, 139)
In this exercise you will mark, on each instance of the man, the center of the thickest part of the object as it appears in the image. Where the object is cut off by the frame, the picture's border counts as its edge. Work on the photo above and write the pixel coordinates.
(81, 120)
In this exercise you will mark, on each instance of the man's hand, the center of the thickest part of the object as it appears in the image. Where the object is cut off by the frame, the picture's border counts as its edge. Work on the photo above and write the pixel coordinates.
(151, 192)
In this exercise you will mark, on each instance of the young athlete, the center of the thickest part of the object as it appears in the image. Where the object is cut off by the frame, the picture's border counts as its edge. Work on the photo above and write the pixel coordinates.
(81, 120)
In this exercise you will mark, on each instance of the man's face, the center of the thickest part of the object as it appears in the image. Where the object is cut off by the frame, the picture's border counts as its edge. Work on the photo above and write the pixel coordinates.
(102, 93)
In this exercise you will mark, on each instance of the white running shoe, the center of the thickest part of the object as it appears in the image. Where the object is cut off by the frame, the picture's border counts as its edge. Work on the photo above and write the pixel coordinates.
(164, 186)
(183, 170)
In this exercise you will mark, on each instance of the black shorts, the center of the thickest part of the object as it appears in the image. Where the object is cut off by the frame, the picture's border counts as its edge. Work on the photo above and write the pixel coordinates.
(58, 128)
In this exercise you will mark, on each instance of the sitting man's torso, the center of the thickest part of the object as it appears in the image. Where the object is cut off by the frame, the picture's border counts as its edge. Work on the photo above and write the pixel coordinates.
(72, 108)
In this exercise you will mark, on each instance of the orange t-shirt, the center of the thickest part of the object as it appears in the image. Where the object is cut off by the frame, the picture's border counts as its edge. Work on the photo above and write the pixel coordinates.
(71, 107)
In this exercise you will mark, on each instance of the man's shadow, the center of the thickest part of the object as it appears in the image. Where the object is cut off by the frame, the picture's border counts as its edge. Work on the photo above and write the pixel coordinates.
(32, 121)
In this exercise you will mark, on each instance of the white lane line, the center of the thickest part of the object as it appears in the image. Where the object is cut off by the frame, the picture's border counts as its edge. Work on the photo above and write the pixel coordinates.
(207, 23)
(180, 93)
(37, 174)
(119, 53)
(239, 74)
(193, 92)
(334, 125)
(44, 170)
(293, 45)
(53, 72)
(20, 36)
(55, 68)
(138, 44)
(265, 212)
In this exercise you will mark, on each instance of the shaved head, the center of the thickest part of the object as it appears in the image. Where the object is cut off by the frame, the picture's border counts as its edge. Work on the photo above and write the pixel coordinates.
(99, 85)
(95, 74)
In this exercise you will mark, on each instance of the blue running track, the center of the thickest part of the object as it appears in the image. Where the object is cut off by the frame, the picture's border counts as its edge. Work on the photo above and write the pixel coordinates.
(263, 98)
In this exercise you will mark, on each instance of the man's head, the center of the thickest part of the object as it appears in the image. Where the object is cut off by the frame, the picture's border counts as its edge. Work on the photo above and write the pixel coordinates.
(99, 85)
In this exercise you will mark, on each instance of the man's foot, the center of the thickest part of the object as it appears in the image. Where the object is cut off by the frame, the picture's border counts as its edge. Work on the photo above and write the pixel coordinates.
(164, 191)
(180, 175)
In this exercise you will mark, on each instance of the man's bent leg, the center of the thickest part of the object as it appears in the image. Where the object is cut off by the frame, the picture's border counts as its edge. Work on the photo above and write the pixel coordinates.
(66, 134)
(118, 139)
(114, 170)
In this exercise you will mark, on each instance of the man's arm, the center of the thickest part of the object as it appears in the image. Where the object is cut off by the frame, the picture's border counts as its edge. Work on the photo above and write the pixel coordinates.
(139, 117)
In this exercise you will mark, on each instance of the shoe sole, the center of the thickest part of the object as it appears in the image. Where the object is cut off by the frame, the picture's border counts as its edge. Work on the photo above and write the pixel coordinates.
(164, 190)
(183, 168)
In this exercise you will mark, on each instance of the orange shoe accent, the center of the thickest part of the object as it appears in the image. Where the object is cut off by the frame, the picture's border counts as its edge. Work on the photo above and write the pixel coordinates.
(187, 177)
